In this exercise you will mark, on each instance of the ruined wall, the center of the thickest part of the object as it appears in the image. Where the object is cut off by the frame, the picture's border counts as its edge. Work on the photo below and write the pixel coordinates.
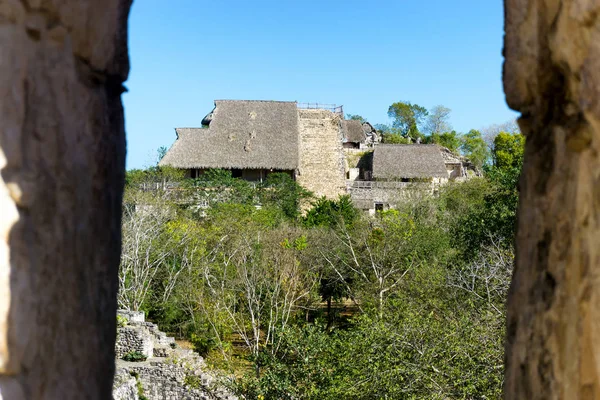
(365, 199)
(62, 163)
(321, 168)
(169, 372)
(125, 386)
(134, 339)
(552, 76)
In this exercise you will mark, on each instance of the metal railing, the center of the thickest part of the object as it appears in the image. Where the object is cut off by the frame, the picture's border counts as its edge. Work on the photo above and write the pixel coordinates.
(168, 186)
(152, 186)
(384, 185)
(334, 108)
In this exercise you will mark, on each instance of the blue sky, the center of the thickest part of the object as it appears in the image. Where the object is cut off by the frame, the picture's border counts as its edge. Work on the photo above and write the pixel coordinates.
(364, 55)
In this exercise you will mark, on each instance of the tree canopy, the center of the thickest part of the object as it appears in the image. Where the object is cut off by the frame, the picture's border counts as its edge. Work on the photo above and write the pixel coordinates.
(438, 121)
(407, 118)
(355, 117)
(475, 148)
(451, 140)
(508, 150)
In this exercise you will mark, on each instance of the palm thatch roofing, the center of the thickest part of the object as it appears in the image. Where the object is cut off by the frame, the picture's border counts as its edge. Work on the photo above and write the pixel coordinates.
(353, 131)
(241, 135)
(394, 161)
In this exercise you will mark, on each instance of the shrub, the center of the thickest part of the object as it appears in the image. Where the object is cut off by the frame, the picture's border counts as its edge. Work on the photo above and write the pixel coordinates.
(134, 356)
(330, 213)
(193, 381)
(121, 321)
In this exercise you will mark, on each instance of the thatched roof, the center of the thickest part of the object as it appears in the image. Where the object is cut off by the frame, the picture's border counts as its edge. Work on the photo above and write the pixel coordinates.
(353, 131)
(396, 161)
(241, 135)
(368, 128)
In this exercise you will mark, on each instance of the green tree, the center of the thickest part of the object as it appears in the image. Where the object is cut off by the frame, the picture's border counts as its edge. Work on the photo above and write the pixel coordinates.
(475, 148)
(331, 213)
(451, 140)
(395, 138)
(355, 117)
(223, 187)
(390, 135)
(508, 150)
(407, 118)
(285, 193)
(153, 176)
(160, 153)
(382, 128)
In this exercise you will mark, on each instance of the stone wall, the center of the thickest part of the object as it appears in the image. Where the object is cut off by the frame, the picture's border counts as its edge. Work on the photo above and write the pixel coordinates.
(321, 168)
(125, 386)
(132, 316)
(170, 372)
(134, 338)
(365, 199)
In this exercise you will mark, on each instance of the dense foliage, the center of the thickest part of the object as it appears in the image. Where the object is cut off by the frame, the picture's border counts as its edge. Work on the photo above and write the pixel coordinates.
(304, 298)
(328, 303)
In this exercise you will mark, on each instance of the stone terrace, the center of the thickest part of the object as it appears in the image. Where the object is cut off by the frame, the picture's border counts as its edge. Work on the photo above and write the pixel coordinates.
(169, 372)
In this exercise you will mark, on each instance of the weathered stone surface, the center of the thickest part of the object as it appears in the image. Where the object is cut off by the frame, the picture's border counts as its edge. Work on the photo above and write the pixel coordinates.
(134, 339)
(170, 373)
(132, 316)
(125, 386)
(321, 167)
(552, 76)
(62, 147)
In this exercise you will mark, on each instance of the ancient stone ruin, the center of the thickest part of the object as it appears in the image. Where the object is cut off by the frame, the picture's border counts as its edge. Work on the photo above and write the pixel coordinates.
(62, 148)
(168, 372)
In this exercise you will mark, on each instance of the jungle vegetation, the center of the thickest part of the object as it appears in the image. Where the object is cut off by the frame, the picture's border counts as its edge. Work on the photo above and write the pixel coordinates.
(330, 303)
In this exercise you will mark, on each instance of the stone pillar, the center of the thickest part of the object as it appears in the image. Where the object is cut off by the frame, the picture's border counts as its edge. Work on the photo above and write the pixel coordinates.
(62, 148)
(552, 76)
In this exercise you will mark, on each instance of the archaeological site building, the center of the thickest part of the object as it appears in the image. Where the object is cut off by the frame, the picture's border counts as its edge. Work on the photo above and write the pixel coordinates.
(316, 146)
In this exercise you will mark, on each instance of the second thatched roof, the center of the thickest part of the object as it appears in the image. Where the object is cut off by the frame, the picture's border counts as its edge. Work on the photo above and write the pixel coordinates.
(353, 131)
(393, 161)
(241, 135)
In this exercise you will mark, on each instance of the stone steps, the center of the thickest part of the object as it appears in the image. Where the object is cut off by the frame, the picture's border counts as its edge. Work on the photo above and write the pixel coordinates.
(168, 370)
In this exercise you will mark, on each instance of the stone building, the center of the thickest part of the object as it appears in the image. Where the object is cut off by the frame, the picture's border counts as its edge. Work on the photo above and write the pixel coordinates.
(383, 176)
(359, 135)
(324, 153)
(256, 138)
(166, 371)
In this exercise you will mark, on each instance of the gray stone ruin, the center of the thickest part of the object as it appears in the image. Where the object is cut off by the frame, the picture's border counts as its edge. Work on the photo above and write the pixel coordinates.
(169, 371)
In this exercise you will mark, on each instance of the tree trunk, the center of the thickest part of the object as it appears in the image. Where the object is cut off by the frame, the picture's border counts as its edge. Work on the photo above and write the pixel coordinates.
(552, 76)
(62, 148)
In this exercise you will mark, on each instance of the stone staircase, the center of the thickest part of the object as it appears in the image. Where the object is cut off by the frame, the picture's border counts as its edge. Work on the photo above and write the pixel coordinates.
(169, 372)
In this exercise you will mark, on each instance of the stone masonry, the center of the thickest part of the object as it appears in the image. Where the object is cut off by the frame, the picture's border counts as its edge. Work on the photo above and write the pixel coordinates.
(169, 372)
(321, 168)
